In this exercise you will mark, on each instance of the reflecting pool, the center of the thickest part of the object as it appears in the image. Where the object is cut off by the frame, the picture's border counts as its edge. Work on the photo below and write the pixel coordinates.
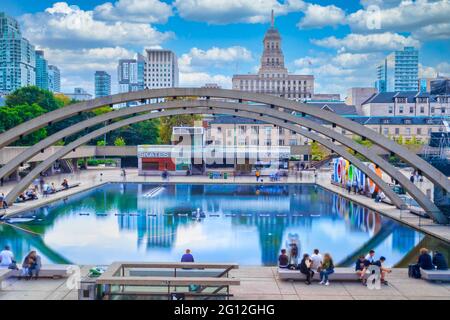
(247, 224)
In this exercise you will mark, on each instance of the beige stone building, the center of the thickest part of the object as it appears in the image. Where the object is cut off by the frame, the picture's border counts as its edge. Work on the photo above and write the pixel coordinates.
(273, 77)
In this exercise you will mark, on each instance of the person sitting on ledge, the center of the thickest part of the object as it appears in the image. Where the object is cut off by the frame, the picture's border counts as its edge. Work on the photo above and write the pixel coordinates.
(383, 270)
(283, 259)
(424, 260)
(326, 269)
(31, 194)
(3, 204)
(65, 184)
(187, 257)
(53, 188)
(439, 261)
(360, 267)
(380, 196)
(305, 268)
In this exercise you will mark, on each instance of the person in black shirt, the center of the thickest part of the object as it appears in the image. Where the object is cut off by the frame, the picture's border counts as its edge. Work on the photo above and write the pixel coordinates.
(439, 261)
(283, 259)
(305, 268)
(424, 260)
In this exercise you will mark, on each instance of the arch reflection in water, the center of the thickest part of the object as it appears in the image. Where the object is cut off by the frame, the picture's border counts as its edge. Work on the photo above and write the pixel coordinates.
(247, 224)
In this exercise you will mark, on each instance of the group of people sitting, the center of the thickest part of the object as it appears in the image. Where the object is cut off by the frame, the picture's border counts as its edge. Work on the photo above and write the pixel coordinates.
(364, 262)
(309, 264)
(426, 262)
(30, 267)
(315, 263)
(46, 189)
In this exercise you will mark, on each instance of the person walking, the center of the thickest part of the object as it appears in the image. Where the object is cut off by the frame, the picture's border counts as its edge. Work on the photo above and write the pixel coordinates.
(326, 269)
(257, 175)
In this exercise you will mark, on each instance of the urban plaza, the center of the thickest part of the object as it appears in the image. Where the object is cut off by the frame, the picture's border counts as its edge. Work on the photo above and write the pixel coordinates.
(222, 151)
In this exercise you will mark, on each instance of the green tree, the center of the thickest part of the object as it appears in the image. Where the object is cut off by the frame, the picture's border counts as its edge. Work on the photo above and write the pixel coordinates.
(101, 143)
(13, 116)
(119, 142)
(318, 152)
(167, 124)
(33, 95)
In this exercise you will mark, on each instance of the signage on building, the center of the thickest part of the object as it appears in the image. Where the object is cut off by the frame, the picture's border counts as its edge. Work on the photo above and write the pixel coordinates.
(154, 154)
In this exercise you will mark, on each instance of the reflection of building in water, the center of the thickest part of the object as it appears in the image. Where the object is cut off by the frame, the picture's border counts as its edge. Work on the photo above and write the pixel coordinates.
(403, 239)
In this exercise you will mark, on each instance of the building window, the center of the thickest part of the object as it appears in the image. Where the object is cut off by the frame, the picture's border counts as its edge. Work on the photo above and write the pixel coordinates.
(242, 129)
(408, 131)
(293, 142)
(268, 142)
(390, 109)
(442, 110)
(281, 142)
(419, 131)
(281, 130)
(386, 131)
(422, 109)
(411, 109)
(397, 130)
(400, 109)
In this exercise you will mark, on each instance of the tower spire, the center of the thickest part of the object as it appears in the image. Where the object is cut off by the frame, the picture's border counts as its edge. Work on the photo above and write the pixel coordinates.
(272, 20)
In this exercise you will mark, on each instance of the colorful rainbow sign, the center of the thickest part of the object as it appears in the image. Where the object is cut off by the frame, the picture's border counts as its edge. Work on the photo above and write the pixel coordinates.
(344, 171)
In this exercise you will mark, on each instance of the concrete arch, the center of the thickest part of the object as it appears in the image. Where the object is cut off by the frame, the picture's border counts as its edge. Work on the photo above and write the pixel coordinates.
(265, 113)
(22, 185)
(434, 175)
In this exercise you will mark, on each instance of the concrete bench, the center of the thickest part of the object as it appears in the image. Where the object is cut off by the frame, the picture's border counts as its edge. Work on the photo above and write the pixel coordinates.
(54, 271)
(435, 275)
(4, 274)
(340, 274)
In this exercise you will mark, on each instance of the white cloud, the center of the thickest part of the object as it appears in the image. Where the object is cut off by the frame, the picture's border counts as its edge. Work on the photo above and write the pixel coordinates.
(407, 16)
(137, 11)
(317, 16)
(352, 59)
(443, 69)
(214, 57)
(435, 31)
(367, 43)
(64, 26)
(196, 65)
(198, 79)
(335, 74)
(234, 11)
(78, 66)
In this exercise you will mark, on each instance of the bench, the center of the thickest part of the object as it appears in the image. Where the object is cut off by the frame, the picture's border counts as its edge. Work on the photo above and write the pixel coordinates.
(4, 274)
(340, 274)
(435, 275)
(54, 271)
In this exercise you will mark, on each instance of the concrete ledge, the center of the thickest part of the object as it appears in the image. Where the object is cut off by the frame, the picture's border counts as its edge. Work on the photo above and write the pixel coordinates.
(340, 274)
(435, 275)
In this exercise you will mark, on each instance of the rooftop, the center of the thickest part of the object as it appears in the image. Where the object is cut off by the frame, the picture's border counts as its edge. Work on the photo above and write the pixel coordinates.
(386, 97)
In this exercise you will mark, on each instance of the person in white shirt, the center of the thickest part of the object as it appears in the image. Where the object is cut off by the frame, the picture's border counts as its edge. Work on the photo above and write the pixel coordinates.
(7, 259)
(371, 256)
(316, 259)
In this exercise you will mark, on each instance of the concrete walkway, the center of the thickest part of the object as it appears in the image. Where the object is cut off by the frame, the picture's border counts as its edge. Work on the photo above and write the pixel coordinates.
(259, 283)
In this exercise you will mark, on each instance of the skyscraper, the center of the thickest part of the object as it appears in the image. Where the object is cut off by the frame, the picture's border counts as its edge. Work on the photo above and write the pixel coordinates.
(161, 69)
(130, 74)
(17, 58)
(102, 84)
(54, 79)
(273, 77)
(399, 71)
(41, 70)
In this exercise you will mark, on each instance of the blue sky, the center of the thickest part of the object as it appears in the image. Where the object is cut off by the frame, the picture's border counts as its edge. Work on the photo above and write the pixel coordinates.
(339, 42)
